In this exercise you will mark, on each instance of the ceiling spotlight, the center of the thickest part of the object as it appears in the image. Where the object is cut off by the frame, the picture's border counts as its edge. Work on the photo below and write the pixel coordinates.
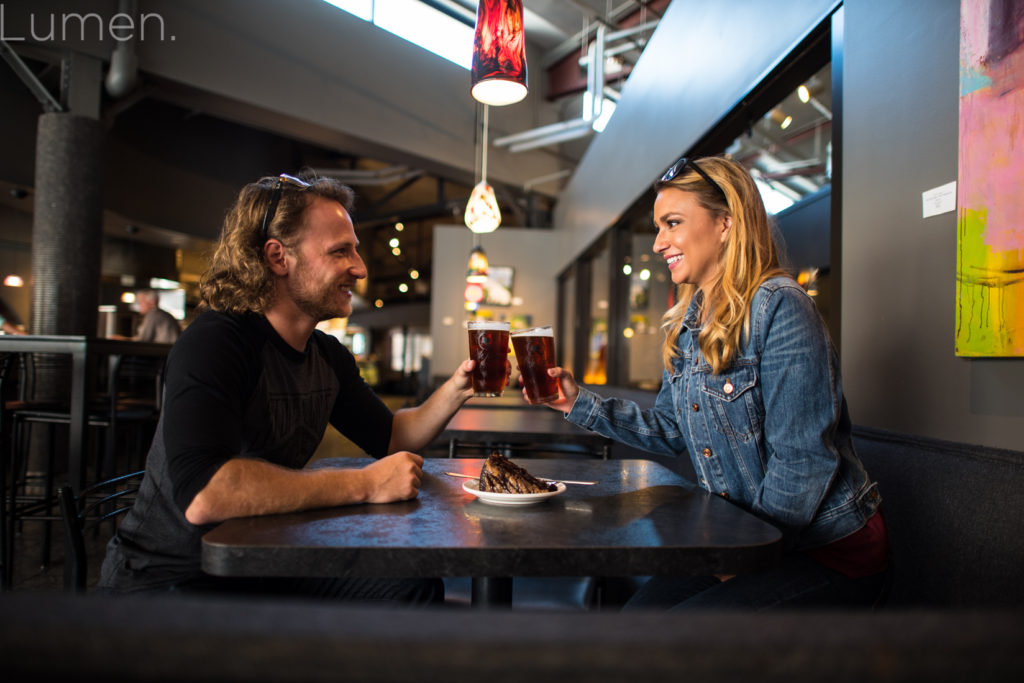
(379, 303)
(785, 122)
(394, 242)
(396, 251)
(399, 227)
(804, 94)
(403, 288)
(414, 274)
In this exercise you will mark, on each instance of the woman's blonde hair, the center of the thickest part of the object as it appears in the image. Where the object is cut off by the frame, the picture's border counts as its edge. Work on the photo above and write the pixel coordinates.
(239, 279)
(749, 257)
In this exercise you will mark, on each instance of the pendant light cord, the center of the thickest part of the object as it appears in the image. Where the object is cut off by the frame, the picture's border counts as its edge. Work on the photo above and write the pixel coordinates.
(483, 162)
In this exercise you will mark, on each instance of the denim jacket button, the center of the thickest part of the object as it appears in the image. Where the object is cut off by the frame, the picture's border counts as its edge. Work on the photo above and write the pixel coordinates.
(706, 452)
(727, 387)
(696, 408)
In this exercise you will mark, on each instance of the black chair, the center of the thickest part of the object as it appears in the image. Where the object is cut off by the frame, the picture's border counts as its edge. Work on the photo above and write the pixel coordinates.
(103, 501)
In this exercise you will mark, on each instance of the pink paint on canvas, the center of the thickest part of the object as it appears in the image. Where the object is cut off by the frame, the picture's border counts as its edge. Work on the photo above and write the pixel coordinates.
(991, 126)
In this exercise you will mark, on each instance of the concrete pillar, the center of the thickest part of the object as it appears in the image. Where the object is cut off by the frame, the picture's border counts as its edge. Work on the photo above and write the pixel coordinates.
(68, 225)
(67, 230)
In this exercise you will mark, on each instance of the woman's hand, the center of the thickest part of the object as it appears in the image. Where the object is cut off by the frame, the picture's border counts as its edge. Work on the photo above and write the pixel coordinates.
(568, 390)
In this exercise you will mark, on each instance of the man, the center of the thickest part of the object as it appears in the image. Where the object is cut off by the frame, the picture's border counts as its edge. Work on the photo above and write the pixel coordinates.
(157, 324)
(251, 387)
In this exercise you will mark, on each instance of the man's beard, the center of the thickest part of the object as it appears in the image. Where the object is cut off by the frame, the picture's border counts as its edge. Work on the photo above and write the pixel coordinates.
(318, 302)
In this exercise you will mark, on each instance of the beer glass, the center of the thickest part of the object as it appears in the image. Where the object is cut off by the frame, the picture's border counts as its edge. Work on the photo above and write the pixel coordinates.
(488, 346)
(535, 353)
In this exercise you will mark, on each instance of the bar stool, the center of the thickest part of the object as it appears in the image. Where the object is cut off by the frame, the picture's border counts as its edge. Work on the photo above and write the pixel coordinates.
(7, 400)
(121, 412)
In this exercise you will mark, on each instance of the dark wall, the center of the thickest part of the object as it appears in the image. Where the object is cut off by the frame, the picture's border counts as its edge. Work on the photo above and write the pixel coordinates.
(898, 271)
(805, 230)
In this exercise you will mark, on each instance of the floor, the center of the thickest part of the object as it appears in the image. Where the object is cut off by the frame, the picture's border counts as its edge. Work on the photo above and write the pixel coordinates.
(32, 574)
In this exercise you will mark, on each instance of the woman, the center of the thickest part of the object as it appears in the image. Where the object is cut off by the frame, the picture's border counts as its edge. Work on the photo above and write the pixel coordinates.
(751, 390)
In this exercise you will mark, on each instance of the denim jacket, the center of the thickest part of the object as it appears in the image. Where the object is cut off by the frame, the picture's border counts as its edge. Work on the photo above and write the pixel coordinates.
(771, 433)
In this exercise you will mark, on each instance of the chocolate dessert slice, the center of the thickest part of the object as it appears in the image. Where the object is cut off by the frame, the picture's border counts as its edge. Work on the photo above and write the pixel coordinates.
(501, 475)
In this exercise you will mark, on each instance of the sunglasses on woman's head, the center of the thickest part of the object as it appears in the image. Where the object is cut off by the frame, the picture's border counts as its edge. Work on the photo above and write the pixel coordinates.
(680, 166)
(275, 198)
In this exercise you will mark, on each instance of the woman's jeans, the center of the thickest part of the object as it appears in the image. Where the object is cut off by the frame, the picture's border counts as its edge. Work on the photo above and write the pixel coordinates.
(798, 581)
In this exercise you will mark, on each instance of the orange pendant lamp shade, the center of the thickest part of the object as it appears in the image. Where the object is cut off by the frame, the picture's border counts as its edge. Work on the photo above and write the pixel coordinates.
(499, 53)
(478, 265)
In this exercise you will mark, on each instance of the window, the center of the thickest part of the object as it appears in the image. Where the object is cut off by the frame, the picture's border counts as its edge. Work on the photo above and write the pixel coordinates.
(596, 364)
(408, 349)
(650, 289)
(565, 333)
(420, 24)
(788, 150)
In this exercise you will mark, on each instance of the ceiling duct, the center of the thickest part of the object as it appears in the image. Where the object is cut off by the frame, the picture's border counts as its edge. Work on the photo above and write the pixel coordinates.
(123, 74)
(363, 177)
(593, 99)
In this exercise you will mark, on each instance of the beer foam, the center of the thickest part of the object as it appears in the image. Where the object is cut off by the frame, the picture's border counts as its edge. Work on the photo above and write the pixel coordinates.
(535, 332)
(478, 325)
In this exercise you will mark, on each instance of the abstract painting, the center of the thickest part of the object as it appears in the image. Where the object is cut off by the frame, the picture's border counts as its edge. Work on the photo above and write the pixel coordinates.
(990, 197)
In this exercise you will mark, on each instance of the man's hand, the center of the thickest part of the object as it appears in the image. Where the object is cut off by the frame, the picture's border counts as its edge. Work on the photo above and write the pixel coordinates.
(462, 379)
(395, 477)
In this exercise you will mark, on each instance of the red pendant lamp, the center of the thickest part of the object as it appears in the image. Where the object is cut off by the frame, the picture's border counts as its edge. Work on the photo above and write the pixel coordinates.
(499, 53)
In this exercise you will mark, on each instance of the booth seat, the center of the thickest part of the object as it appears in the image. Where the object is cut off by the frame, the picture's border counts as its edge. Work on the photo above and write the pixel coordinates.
(61, 637)
(955, 515)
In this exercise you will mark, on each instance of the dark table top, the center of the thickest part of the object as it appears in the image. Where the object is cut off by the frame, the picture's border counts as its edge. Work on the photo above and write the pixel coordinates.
(532, 425)
(512, 398)
(640, 519)
(35, 343)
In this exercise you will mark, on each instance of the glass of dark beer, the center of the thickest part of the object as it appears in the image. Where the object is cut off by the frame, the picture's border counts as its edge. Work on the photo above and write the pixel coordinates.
(535, 353)
(488, 346)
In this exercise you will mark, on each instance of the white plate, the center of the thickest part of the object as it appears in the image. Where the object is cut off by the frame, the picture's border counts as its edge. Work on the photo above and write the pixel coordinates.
(510, 498)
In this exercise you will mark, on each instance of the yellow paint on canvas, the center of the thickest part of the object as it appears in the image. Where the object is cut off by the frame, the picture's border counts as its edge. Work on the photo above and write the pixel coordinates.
(989, 293)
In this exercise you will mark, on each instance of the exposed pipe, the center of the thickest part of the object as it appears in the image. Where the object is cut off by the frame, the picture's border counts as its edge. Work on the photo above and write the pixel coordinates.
(364, 177)
(593, 101)
(544, 131)
(123, 74)
(557, 175)
(580, 132)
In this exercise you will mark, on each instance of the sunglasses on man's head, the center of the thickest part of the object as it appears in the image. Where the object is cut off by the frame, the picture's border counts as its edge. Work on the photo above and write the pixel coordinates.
(680, 166)
(275, 198)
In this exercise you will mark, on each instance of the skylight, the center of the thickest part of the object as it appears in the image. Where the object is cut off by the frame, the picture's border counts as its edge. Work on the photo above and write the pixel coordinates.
(418, 23)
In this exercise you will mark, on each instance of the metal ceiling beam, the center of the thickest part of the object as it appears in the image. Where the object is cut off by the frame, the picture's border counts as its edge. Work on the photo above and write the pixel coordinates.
(49, 102)
(395, 192)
